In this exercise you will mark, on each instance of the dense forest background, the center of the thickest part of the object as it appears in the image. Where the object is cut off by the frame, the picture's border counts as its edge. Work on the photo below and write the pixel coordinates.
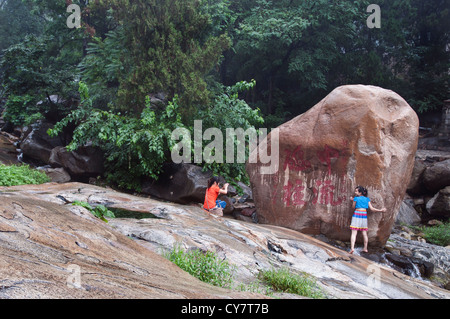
(135, 70)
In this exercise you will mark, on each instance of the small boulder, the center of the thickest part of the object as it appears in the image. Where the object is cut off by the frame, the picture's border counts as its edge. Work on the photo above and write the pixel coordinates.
(56, 175)
(179, 183)
(186, 183)
(407, 214)
(437, 176)
(439, 205)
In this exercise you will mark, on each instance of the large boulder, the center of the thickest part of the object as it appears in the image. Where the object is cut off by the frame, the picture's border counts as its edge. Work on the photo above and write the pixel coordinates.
(85, 161)
(416, 186)
(357, 135)
(179, 183)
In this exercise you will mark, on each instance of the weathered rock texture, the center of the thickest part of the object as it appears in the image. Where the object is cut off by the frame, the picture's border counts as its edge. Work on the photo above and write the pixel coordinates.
(8, 153)
(357, 135)
(52, 250)
(43, 240)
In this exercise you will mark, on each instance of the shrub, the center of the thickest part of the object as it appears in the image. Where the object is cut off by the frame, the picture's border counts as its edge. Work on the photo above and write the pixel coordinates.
(438, 235)
(206, 266)
(11, 175)
(283, 280)
(134, 147)
(137, 147)
(229, 111)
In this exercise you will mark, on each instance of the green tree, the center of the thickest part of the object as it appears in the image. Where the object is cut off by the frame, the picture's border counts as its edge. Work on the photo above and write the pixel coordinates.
(43, 65)
(17, 21)
(226, 111)
(298, 51)
(134, 147)
(166, 48)
(429, 54)
(408, 54)
(289, 46)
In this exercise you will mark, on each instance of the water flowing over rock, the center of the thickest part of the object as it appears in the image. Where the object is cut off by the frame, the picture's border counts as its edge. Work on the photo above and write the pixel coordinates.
(357, 135)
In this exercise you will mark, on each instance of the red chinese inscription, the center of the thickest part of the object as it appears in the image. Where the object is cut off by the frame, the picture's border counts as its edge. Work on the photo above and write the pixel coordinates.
(294, 194)
(295, 162)
(324, 194)
(327, 155)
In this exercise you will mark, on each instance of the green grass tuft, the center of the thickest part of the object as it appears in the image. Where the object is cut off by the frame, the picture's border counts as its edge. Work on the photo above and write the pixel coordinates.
(283, 280)
(206, 266)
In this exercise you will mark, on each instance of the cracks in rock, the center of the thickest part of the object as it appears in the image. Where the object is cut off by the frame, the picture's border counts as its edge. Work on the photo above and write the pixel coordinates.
(16, 284)
(350, 259)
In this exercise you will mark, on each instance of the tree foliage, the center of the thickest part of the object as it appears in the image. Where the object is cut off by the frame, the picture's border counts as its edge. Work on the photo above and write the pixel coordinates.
(298, 51)
(134, 147)
(201, 56)
(42, 64)
(164, 47)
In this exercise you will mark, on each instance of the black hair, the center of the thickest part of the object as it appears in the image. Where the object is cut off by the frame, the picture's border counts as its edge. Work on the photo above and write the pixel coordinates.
(362, 190)
(212, 180)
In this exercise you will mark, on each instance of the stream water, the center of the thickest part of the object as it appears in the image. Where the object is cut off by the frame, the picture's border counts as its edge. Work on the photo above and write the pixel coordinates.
(412, 270)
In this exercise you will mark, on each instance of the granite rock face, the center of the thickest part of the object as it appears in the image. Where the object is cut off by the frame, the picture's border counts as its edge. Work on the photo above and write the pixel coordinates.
(52, 250)
(45, 243)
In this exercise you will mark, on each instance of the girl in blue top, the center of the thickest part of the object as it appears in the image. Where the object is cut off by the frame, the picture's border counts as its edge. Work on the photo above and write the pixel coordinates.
(359, 220)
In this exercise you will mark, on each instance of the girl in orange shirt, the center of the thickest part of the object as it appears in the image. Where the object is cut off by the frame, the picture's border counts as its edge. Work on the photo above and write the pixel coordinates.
(212, 192)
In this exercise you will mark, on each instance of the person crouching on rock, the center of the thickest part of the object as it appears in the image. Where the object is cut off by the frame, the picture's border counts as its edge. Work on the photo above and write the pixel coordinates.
(359, 220)
(212, 204)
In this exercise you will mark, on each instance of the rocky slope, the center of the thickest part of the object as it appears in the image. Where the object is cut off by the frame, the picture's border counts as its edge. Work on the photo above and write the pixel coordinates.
(50, 250)
(54, 250)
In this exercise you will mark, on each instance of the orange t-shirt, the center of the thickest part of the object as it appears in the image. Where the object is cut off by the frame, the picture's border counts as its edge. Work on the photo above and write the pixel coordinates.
(211, 196)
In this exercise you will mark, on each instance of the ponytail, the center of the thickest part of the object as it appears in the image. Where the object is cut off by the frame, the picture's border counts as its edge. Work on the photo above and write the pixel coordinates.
(212, 180)
(362, 190)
